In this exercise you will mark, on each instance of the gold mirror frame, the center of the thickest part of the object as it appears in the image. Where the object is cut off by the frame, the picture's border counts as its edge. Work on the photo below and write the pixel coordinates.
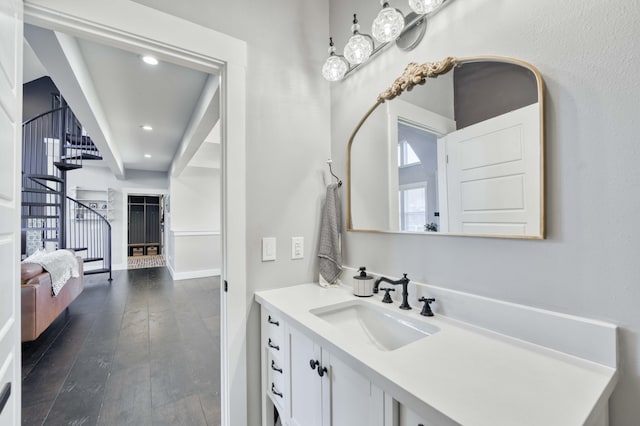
(414, 75)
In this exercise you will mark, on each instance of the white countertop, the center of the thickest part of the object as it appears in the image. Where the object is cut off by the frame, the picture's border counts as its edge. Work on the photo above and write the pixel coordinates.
(461, 374)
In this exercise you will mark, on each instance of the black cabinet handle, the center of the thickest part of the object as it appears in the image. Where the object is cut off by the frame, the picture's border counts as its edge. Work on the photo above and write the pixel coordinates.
(315, 364)
(272, 321)
(274, 368)
(321, 371)
(4, 397)
(271, 345)
(274, 391)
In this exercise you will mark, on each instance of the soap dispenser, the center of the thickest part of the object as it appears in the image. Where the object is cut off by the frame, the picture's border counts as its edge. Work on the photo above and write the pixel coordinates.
(363, 283)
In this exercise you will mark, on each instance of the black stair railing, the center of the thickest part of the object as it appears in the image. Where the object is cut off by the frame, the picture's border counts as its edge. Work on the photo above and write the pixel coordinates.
(89, 233)
(40, 214)
(53, 144)
(41, 181)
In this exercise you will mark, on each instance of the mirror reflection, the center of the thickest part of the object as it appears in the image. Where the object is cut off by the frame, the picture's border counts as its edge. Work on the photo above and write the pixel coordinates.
(461, 154)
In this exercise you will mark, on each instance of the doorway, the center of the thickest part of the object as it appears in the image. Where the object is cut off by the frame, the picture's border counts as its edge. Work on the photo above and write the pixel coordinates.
(145, 231)
(227, 56)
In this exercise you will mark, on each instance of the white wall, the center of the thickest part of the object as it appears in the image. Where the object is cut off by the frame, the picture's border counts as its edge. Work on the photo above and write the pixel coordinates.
(369, 166)
(588, 265)
(102, 178)
(194, 223)
(194, 255)
(195, 200)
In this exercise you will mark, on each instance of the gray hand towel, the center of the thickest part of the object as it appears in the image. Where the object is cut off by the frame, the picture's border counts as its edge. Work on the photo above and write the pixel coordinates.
(330, 254)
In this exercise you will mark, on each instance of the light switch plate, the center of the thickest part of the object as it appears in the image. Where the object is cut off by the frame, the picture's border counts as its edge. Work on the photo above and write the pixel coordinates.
(297, 247)
(268, 249)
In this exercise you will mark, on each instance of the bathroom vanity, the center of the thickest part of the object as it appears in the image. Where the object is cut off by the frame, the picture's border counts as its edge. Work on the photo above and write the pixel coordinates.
(331, 358)
(468, 148)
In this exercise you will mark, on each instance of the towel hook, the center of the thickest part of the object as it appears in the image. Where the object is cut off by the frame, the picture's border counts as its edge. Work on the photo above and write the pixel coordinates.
(329, 162)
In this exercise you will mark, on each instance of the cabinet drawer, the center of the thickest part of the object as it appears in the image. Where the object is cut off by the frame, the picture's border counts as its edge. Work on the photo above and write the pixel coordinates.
(274, 336)
(276, 368)
(276, 382)
(274, 327)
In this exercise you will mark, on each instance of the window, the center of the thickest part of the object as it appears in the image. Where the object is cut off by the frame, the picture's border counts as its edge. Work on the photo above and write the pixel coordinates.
(406, 155)
(413, 207)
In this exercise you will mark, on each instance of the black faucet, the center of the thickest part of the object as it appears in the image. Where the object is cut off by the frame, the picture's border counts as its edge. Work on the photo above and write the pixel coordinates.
(405, 294)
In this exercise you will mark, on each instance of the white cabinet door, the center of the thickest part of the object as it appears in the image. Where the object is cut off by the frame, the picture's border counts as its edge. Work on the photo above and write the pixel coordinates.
(306, 385)
(10, 136)
(341, 396)
(352, 399)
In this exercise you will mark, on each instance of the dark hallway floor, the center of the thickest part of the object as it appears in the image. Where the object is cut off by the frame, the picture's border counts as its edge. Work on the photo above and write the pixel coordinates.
(143, 350)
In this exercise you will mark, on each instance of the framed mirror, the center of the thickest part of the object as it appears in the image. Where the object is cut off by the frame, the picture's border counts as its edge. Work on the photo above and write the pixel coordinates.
(452, 147)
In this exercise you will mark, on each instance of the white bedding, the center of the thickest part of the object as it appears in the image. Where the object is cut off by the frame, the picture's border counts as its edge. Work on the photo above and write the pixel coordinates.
(61, 265)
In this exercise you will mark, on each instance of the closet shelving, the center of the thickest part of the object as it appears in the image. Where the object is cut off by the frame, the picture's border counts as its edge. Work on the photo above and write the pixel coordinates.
(144, 227)
(100, 200)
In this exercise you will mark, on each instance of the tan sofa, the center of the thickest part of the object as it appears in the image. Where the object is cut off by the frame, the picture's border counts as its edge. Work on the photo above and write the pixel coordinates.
(39, 307)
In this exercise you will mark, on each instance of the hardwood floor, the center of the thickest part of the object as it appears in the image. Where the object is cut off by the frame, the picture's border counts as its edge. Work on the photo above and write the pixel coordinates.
(143, 350)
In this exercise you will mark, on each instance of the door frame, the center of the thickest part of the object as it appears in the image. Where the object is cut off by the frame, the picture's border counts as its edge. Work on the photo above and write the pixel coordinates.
(125, 216)
(429, 121)
(184, 43)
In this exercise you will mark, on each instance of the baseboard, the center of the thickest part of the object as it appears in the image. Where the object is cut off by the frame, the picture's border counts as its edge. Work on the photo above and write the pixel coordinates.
(119, 267)
(177, 276)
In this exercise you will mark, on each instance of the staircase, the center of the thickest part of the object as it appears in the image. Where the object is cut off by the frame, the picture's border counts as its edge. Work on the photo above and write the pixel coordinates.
(54, 144)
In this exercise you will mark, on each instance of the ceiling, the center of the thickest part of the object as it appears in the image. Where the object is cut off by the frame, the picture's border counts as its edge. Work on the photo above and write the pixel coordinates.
(114, 93)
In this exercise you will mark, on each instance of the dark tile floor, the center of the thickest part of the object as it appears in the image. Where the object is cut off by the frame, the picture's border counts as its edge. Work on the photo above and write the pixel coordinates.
(143, 350)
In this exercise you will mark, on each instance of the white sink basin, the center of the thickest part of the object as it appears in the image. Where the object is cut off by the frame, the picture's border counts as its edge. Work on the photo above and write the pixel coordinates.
(374, 325)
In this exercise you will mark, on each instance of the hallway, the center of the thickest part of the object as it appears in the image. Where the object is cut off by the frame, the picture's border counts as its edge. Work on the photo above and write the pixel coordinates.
(143, 350)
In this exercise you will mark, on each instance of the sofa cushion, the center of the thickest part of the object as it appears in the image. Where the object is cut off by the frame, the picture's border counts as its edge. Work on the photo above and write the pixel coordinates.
(29, 270)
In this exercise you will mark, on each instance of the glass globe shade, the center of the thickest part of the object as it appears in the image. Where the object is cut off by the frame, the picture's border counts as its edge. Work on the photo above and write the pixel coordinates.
(334, 68)
(424, 6)
(358, 49)
(387, 25)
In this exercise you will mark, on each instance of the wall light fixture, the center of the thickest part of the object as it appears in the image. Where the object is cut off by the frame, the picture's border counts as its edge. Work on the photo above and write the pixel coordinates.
(390, 25)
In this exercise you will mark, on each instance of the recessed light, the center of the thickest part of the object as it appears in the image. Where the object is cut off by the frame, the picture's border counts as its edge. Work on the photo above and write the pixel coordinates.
(146, 127)
(150, 60)
(147, 156)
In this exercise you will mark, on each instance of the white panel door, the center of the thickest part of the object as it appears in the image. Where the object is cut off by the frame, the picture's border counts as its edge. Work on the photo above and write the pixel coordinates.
(10, 149)
(306, 389)
(493, 175)
(353, 399)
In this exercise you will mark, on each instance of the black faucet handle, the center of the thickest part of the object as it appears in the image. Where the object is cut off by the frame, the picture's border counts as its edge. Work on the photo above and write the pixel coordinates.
(426, 309)
(387, 296)
(405, 276)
